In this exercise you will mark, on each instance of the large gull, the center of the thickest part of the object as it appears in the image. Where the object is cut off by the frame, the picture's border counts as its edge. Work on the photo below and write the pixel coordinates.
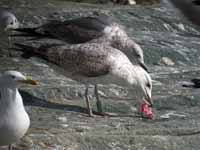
(93, 63)
(14, 121)
(94, 29)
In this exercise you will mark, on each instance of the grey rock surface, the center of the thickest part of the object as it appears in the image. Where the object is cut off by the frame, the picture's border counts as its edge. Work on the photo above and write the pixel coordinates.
(56, 107)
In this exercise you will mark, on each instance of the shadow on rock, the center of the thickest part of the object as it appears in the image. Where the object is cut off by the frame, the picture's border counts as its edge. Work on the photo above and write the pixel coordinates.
(30, 100)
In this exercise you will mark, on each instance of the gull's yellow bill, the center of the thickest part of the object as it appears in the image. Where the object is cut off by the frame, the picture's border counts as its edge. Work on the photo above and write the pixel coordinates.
(29, 80)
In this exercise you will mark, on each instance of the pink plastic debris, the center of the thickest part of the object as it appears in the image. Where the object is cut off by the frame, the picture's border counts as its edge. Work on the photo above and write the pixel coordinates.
(146, 111)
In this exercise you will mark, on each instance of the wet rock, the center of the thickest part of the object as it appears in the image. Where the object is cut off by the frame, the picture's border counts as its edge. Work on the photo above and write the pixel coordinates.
(131, 2)
(166, 61)
(124, 2)
(62, 119)
(172, 114)
(82, 128)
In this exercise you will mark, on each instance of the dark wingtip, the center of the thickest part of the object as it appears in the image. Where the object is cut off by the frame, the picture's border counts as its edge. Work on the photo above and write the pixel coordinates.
(27, 32)
(15, 48)
(188, 85)
(196, 83)
(23, 48)
(26, 55)
(20, 35)
(196, 2)
(18, 45)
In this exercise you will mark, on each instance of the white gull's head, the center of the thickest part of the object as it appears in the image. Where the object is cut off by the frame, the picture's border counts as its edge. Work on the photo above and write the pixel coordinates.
(8, 21)
(13, 78)
(132, 75)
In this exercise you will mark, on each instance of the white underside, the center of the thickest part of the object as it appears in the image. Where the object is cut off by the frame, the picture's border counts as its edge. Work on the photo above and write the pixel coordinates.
(14, 121)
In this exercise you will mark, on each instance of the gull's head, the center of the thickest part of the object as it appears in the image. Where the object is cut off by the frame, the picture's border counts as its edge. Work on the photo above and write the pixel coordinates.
(145, 83)
(9, 21)
(135, 50)
(138, 50)
(14, 78)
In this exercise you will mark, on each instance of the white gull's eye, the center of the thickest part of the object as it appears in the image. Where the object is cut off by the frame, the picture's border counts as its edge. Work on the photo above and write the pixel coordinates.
(12, 76)
(148, 85)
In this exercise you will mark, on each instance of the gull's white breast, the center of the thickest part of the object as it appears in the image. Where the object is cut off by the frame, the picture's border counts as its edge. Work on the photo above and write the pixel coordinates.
(14, 121)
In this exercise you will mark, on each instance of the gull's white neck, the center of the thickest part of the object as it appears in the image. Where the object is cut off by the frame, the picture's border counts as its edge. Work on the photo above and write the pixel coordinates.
(10, 97)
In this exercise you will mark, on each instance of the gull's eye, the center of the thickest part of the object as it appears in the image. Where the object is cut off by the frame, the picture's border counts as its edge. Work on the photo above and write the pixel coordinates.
(138, 55)
(11, 23)
(12, 76)
(15, 20)
(148, 85)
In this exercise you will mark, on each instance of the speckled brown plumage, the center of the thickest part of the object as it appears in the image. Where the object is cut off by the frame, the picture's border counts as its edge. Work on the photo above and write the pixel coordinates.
(93, 63)
(95, 29)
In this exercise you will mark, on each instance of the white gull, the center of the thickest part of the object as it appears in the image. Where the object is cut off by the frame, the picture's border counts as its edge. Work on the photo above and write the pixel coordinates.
(14, 121)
